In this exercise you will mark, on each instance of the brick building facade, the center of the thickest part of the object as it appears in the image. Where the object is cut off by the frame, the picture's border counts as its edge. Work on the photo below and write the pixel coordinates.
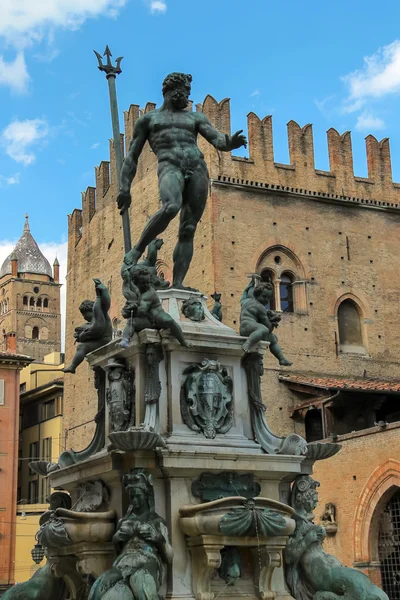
(328, 241)
(30, 320)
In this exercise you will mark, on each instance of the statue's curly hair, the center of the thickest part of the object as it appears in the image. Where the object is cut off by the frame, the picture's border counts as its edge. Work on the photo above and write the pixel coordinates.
(263, 286)
(138, 272)
(174, 80)
(86, 305)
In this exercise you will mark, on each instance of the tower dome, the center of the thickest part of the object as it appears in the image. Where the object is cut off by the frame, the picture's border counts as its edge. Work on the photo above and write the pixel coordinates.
(30, 258)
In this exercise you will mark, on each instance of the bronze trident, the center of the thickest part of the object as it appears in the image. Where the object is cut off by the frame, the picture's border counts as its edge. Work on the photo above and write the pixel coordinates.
(111, 72)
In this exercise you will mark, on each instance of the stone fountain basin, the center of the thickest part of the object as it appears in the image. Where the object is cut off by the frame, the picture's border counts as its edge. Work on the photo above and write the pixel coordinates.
(93, 527)
(205, 518)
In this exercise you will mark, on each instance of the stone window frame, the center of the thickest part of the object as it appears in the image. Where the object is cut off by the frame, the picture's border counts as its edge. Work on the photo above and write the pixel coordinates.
(362, 312)
(383, 482)
(288, 264)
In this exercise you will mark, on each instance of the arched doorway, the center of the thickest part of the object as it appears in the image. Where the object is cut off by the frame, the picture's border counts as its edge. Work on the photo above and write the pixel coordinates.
(389, 547)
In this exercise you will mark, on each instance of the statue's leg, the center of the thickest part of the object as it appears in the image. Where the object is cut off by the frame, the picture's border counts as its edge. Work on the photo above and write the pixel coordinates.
(163, 320)
(170, 186)
(194, 202)
(77, 360)
(143, 585)
(259, 334)
(276, 350)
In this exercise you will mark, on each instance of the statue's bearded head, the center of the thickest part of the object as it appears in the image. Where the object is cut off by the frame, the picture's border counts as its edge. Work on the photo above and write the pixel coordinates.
(193, 309)
(176, 86)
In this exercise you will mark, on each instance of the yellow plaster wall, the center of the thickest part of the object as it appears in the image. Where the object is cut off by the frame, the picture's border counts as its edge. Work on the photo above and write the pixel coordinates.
(27, 525)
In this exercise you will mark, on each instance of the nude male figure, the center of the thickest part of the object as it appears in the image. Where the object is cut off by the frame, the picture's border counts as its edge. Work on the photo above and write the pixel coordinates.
(182, 172)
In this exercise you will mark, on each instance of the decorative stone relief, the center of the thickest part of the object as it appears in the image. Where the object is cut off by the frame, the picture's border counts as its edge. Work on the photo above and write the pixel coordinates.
(147, 435)
(328, 518)
(217, 530)
(212, 486)
(142, 543)
(291, 445)
(119, 395)
(207, 398)
(92, 496)
(248, 520)
(193, 309)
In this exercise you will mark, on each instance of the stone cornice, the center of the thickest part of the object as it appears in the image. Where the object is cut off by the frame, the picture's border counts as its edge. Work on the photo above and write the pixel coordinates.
(281, 190)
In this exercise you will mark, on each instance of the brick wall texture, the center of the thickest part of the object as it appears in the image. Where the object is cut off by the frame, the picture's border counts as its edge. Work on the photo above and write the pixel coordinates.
(336, 232)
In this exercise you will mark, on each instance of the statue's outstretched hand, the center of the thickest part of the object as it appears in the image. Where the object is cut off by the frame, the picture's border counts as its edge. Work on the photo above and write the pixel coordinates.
(238, 140)
(124, 200)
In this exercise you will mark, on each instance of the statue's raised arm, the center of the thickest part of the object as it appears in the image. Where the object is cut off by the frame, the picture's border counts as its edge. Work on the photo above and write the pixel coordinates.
(183, 180)
(220, 141)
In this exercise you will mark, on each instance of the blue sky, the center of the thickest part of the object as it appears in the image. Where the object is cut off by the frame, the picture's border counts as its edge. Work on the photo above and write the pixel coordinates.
(329, 63)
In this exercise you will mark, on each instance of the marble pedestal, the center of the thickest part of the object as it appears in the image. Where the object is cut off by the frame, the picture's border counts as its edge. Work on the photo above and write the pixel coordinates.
(184, 455)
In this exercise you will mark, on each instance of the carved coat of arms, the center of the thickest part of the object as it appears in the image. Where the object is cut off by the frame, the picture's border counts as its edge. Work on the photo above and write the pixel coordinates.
(207, 398)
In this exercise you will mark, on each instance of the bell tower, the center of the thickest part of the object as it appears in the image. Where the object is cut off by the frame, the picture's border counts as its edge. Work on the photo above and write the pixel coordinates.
(30, 320)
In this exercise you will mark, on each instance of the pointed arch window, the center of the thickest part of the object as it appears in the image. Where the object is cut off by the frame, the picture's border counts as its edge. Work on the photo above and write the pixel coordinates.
(45, 303)
(350, 329)
(39, 304)
(288, 276)
(25, 301)
(35, 333)
(32, 301)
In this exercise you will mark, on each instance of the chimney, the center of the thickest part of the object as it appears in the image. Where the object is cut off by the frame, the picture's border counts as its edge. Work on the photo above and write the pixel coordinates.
(14, 264)
(56, 271)
(12, 343)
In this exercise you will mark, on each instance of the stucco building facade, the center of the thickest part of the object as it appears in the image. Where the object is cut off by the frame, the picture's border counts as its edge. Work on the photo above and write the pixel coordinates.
(328, 241)
(10, 367)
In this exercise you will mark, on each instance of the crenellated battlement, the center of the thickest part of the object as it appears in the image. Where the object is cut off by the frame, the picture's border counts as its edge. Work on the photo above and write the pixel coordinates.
(260, 166)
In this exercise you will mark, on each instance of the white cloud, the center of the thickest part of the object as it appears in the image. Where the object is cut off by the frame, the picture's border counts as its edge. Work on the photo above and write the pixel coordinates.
(379, 76)
(48, 56)
(14, 74)
(25, 22)
(18, 137)
(367, 121)
(11, 180)
(50, 250)
(158, 6)
(255, 93)
(95, 145)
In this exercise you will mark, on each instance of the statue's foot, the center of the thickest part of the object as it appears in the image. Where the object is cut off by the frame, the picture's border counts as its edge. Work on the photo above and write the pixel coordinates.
(246, 346)
(131, 258)
(180, 286)
(284, 362)
(69, 370)
(124, 343)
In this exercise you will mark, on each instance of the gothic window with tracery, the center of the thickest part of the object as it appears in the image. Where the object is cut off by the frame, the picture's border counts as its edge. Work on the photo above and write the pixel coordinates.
(279, 265)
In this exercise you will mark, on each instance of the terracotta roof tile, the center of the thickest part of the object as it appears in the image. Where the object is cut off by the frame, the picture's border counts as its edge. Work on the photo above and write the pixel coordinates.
(337, 383)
